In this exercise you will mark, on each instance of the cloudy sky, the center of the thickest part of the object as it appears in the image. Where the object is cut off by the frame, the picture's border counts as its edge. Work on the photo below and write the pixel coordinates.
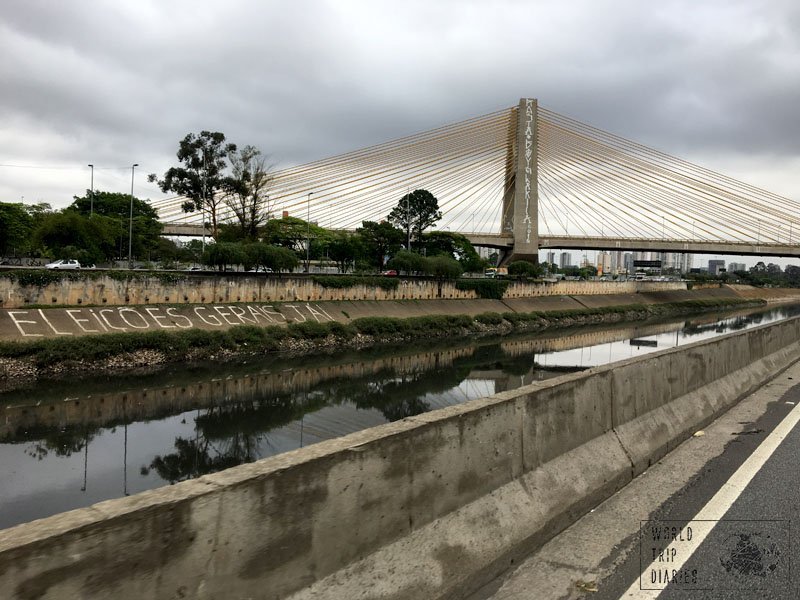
(119, 82)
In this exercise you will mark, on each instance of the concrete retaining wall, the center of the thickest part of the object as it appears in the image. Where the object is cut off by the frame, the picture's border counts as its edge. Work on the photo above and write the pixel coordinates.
(98, 290)
(31, 323)
(427, 507)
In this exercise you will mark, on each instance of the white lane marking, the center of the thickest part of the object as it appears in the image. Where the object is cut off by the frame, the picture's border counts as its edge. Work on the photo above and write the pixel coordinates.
(716, 508)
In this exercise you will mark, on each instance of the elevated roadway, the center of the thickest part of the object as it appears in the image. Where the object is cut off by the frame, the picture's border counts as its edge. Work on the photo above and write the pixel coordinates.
(503, 241)
(506, 242)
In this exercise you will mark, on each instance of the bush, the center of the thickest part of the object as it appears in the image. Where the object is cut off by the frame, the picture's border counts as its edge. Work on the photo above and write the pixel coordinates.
(309, 330)
(443, 267)
(376, 326)
(408, 262)
(348, 281)
(489, 318)
(524, 268)
(492, 289)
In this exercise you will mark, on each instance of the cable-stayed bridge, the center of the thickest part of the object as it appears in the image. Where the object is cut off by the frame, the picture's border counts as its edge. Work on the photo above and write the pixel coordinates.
(526, 178)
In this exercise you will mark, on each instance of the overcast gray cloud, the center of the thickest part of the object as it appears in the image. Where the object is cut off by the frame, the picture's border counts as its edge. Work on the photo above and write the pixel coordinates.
(116, 82)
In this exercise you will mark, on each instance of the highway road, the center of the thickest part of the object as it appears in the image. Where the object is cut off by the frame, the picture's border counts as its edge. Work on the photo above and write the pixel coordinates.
(715, 519)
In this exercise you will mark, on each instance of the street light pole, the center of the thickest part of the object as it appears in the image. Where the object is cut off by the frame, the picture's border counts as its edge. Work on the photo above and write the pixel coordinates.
(130, 222)
(308, 233)
(408, 220)
(91, 196)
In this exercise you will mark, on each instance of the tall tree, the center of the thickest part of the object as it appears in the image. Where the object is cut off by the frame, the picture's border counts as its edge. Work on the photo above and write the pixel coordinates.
(224, 254)
(291, 232)
(114, 210)
(344, 249)
(415, 213)
(15, 229)
(68, 234)
(202, 177)
(272, 257)
(455, 245)
(246, 192)
(380, 240)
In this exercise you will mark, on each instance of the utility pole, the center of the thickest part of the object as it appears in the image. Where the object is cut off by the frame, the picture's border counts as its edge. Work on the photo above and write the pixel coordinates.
(91, 194)
(408, 219)
(308, 233)
(203, 205)
(130, 222)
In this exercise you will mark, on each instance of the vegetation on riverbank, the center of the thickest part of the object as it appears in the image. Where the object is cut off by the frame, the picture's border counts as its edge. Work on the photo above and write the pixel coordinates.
(71, 354)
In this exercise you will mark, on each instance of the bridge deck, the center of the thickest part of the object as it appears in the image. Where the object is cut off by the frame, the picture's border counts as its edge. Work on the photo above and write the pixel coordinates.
(504, 241)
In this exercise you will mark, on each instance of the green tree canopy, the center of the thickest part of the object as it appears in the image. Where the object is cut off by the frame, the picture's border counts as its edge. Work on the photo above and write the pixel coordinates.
(524, 268)
(444, 267)
(223, 255)
(291, 232)
(68, 234)
(16, 226)
(380, 240)
(416, 211)
(271, 257)
(408, 262)
(202, 175)
(344, 249)
(450, 243)
(113, 211)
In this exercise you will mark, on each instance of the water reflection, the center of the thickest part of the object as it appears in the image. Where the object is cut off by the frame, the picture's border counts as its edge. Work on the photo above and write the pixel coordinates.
(101, 441)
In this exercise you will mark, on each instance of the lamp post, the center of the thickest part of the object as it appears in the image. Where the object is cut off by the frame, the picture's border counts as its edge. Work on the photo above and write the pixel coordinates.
(130, 221)
(408, 220)
(308, 233)
(91, 196)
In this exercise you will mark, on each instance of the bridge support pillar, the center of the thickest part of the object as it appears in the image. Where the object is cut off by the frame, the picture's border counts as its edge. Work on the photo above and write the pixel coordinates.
(521, 201)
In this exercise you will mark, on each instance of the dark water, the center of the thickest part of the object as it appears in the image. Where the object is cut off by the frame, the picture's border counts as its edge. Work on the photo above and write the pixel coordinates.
(66, 444)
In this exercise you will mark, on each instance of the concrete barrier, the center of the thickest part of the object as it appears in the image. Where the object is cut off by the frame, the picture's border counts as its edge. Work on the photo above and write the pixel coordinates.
(427, 507)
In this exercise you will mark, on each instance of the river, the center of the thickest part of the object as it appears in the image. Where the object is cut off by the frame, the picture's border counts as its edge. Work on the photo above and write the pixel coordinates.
(66, 444)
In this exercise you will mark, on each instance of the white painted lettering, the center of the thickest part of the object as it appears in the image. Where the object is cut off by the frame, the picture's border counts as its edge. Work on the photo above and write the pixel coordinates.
(50, 325)
(299, 314)
(216, 322)
(171, 313)
(156, 318)
(79, 322)
(122, 312)
(267, 313)
(314, 313)
(240, 312)
(96, 318)
(105, 318)
(222, 310)
(20, 322)
(327, 315)
(256, 313)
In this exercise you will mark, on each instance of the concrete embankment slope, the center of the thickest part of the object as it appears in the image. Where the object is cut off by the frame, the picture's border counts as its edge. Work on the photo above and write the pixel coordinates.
(34, 323)
(427, 507)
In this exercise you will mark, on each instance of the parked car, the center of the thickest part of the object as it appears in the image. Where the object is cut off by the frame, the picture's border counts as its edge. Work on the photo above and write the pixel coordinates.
(63, 264)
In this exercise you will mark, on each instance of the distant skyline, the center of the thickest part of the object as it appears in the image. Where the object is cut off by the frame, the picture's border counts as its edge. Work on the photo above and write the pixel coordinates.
(117, 83)
(699, 261)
